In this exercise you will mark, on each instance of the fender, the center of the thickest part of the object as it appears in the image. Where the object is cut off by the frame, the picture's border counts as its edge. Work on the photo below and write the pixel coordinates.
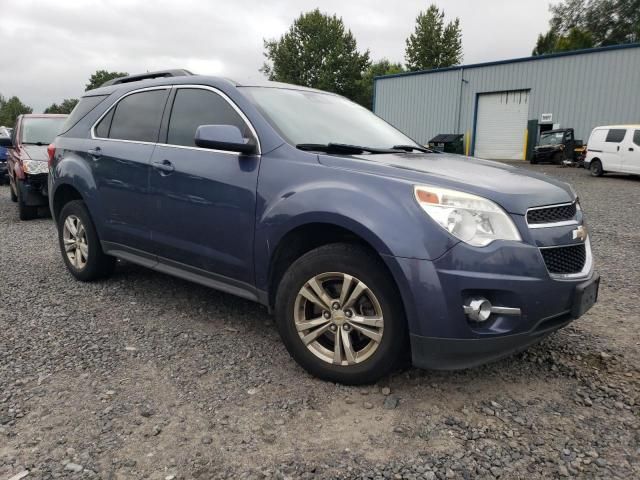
(14, 164)
(74, 171)
(385, 215)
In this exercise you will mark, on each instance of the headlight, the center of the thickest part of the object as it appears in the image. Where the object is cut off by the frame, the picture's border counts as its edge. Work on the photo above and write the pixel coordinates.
(34, 167)
(474, 220)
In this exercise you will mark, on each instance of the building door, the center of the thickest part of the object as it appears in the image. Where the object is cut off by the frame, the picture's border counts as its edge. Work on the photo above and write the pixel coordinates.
(501, 125)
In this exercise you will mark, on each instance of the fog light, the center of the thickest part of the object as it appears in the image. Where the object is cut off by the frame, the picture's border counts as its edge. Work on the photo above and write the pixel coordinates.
(478, 310)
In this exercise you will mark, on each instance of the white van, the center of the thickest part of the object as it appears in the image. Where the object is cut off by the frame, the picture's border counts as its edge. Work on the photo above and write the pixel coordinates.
(615, 148)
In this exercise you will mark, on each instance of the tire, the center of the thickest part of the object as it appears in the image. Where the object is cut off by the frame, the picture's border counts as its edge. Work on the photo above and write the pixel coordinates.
(25, 212)
(534, 160)
(14, 197)
(596, 168)
(557, 158)
(380, 301)
(92, 263)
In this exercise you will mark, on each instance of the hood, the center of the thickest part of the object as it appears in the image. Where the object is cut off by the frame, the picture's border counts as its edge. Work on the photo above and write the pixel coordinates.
(515, 189)
(36, 152)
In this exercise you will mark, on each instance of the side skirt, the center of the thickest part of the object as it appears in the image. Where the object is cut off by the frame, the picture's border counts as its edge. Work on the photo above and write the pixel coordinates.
(186, 272)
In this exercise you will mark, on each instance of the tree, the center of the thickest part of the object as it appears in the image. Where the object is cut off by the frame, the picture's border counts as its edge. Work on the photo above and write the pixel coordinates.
(579, 24)
(576, 39)
(11, 109)
(101, 76)
(376, 69)
(317, 52)
(434, 44)
(66, 106)
(546, 43)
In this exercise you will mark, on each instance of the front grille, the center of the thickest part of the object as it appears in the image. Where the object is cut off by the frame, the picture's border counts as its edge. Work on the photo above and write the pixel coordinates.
(560, 213)
(565, 260)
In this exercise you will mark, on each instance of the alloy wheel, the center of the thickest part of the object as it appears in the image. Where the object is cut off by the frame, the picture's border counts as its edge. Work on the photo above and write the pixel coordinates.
(338, 318)
(76, 246)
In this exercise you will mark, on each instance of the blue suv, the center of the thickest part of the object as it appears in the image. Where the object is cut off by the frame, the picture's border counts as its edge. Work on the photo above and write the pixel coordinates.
(369, 248)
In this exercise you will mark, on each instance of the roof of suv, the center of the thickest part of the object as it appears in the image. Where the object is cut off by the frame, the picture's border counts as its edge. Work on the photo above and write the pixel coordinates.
(155, 79)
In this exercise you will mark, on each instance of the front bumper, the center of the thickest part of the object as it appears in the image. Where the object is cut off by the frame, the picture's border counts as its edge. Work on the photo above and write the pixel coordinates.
(34, 190)
(509, 274)
(545, 155)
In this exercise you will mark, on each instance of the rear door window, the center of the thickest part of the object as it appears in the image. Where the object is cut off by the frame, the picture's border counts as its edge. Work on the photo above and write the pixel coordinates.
(616, 135)
(636, 137)
(193, 107)
(136, 117)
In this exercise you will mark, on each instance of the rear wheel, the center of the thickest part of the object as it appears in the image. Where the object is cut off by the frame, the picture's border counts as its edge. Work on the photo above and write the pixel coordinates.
(80, 245)
(596, 168)
(340, 316)
(25, 212)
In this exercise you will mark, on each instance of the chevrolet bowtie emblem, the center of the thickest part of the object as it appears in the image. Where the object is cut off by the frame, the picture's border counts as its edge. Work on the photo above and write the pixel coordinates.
(580, 233)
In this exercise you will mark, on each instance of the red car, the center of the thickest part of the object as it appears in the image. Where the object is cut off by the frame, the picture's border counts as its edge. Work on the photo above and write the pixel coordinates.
(27, 162)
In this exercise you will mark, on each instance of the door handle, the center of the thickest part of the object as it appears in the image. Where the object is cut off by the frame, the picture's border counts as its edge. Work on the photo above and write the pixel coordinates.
(163, 166)
(631, 149)
(95, 153)
(618, 147)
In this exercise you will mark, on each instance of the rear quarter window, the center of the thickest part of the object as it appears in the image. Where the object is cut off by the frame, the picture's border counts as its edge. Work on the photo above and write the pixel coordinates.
(84, 106)
(616, 135)
(636, 137)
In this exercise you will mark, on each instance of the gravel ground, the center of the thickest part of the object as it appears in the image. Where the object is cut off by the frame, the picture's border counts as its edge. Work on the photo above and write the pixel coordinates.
(147, 376)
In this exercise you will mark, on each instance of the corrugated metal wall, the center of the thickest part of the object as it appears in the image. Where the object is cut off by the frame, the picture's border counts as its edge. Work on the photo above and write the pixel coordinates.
(580, 90)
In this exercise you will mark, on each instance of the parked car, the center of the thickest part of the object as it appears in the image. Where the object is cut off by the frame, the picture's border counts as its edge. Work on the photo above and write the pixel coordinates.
(367, 247)
(614, 149)
(27, 160)
(4, 132)
(557, 146)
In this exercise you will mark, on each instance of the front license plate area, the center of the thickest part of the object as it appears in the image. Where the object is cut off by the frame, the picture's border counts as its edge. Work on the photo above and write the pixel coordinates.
(585, 297)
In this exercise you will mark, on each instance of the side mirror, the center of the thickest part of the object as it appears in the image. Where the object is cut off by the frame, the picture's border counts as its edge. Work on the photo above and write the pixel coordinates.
(6, 142)
(224, 137)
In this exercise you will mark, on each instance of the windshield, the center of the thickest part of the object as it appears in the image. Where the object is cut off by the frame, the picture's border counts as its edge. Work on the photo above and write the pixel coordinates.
(552, 138)
(36, 130)
(304, 117)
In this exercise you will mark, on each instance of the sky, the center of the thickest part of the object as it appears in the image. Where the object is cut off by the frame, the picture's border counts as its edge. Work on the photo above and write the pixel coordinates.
(51, 47)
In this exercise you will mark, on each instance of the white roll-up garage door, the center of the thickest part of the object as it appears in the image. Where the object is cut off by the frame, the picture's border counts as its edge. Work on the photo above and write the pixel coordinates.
(501, 125)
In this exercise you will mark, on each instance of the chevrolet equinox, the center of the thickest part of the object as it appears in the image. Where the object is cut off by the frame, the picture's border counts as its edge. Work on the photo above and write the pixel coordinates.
(369, 248)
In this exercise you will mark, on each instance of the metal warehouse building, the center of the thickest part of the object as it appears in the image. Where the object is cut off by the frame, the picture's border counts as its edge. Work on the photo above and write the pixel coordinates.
(501, 107)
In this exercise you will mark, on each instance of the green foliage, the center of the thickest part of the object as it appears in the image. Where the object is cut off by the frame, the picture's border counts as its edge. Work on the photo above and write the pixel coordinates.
(101, 76)
(318, 52)
(577, 24)
(66, 106)
(10, 110)
(434, 44)
(376, 69)
(546, 43)
(576, 39)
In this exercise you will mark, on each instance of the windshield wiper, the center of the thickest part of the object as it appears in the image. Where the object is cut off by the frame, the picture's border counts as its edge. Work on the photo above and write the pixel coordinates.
(411, 148)
(343, 148)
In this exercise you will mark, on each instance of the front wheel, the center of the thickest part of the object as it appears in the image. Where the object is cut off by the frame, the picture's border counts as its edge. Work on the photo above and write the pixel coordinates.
(340, 316)
(80, 245)
(596, 168)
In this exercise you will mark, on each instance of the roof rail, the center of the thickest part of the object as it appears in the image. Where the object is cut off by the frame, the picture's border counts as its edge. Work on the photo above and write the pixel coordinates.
(146, 76)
